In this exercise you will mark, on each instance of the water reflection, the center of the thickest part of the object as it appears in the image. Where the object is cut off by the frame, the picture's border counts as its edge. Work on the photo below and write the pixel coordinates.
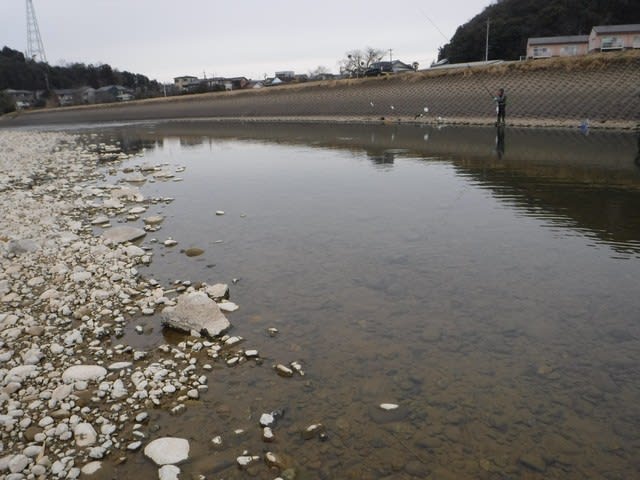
(581, 182)
(488, 298)
(500, 134)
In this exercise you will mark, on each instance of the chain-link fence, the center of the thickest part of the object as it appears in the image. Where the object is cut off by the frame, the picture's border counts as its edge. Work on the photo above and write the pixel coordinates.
(599, 88)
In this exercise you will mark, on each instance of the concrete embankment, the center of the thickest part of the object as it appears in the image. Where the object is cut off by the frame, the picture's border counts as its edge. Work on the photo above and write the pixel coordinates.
(603, 89)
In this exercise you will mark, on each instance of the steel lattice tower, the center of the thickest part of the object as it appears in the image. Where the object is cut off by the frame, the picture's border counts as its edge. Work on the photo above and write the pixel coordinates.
(35, 48)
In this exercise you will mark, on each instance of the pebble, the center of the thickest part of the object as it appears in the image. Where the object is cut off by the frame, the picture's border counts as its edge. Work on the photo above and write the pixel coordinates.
(168, 472)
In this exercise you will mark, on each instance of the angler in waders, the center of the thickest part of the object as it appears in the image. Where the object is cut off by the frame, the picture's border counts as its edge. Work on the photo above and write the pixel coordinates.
(501, 102)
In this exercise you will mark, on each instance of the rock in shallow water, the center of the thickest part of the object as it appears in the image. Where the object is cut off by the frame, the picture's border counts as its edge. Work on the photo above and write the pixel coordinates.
(195, 311)
(167, 450)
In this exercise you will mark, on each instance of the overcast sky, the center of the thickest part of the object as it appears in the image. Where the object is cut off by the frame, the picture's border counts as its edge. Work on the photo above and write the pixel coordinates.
(164, 39)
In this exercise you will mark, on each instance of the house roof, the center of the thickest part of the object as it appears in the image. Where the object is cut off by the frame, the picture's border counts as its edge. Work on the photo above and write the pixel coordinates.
(558, 40)
(617, 28)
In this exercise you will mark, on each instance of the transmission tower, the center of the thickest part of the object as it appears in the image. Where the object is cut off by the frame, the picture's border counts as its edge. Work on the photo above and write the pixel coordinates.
(35, 48)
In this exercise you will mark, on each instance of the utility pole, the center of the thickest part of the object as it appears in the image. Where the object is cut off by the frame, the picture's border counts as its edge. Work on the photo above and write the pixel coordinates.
(35, 48)
(486, 47)
(391, 55)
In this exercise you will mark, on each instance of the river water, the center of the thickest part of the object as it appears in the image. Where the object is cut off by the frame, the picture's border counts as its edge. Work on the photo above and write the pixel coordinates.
(487, 282)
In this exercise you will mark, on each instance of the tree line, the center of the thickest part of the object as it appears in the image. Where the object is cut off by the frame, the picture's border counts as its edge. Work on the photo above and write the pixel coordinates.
(512, 22)
(18, 73)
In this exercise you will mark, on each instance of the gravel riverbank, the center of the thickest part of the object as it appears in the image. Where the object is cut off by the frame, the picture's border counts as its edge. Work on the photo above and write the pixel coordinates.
(71, 395)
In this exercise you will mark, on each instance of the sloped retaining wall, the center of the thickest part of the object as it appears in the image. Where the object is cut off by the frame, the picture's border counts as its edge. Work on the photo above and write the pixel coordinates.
(599, 88)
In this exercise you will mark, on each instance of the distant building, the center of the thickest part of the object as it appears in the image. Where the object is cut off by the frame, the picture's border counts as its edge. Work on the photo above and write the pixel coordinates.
(614, 37)
(186, 83)
(564, 46)
(286, 76)
(113, 93)
(84, 96)
(64, 96)
(21, 98)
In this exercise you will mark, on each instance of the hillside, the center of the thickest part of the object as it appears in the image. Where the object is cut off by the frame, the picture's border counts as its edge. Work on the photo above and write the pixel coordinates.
(513, 21)
(19, 74)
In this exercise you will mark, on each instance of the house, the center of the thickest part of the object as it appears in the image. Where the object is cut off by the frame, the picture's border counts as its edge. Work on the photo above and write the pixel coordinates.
(219, 83)
(113, 93)
(286, 75)
(84, 96)
(21, 98)
(186, 83)
(614, 37)
(65, 96)
(563, 46)
(381, 68)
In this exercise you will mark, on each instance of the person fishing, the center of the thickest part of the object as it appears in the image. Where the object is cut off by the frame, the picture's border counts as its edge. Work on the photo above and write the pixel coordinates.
(501, 102)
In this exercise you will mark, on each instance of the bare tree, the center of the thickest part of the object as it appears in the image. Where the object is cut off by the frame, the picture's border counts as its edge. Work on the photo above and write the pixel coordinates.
(357, 62)
(319, 71)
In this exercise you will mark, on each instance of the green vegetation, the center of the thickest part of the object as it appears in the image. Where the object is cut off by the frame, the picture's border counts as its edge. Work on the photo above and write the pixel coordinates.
(514, 21)
(6, 103)
(19, 74)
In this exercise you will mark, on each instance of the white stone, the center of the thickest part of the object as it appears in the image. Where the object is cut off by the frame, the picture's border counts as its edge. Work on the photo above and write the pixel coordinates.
(32, 451)
(388, 406)
(118, 390)
(228, 306)
(123, 234)
(61, 392)
(100, 220)
(153, 220)
(217, 291)
(266, 420)
(85, 435)
(91, 468)
(21, 372)
(167, 450)
(79, 277)
(18, 463)
(83, 372)
(134, 251)
(119, 365)
(168, 472)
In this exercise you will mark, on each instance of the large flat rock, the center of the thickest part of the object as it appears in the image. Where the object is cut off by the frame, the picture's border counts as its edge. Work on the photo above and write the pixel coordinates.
(123, 234)
(195, 311)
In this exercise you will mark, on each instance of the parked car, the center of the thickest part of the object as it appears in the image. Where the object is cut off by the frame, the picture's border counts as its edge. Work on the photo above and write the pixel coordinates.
(379, 68)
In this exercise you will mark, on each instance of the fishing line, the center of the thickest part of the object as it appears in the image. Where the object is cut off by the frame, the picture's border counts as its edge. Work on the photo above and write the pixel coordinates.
(448, 41)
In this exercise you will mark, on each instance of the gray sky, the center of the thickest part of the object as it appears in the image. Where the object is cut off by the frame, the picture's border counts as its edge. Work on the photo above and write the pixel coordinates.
(163, 39)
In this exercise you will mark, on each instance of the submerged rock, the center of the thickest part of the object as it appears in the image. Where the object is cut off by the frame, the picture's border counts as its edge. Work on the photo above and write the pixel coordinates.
(193, 252)
(167, 450)
(195, 311)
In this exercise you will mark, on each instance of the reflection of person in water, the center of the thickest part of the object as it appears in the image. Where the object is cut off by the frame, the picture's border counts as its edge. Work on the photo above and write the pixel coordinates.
(500, 141)
(637, 160)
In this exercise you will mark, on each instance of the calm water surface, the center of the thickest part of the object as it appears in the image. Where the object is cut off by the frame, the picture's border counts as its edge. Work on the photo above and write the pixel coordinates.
(487, 282)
